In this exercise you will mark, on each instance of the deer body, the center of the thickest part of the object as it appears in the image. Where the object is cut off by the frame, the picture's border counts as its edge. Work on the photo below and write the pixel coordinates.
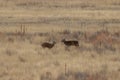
(48, 45)
(70, 42)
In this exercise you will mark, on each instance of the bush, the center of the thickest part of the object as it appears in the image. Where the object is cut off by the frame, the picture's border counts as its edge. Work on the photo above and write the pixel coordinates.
(80, 76)
(46, 76)
(10, 39)
(66, 32)
(10, 52)
(73, 76)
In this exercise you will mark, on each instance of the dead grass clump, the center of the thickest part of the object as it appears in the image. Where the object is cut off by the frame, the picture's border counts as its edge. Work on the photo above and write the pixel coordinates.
(80, 76)
(99, 36)
(119, 69)
(73, 76)
(46, 76)
(103, 46)
(66, 32)
(110, 48)
(10, 39)
(3, 74)
(21, 31)
(42, 34)
(102, 41)
(67, 48)
(21, 59)
(99, 50)
(100, 75)
(85, 48)
(76, 35)
(97, 76)
(10, 52)
(117, 34)
(28, 37)
(52, 38)
(62, 77)
(56, 63)
(21, 4)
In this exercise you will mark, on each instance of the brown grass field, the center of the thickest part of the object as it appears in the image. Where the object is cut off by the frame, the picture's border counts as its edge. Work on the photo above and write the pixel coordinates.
(26, 24)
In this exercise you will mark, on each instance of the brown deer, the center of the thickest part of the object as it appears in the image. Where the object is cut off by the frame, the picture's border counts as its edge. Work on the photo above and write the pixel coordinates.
(70, 42)
(48, 44)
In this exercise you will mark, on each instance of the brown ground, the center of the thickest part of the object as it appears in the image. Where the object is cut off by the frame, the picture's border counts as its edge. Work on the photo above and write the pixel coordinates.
(23, 58)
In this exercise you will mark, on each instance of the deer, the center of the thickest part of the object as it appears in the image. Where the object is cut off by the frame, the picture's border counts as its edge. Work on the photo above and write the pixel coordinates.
(48, 45)
(70, 42)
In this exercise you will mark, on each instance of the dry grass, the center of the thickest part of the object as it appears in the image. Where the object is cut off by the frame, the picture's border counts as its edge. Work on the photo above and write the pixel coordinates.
(26, 24)
(23, 59)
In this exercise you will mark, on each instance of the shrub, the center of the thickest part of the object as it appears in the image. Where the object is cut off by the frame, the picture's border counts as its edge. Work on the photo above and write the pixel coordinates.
(22, 59)
(73, 76)
(10, 39)
(10, 52)
(66, 32)
(46, 76)
(80, 76)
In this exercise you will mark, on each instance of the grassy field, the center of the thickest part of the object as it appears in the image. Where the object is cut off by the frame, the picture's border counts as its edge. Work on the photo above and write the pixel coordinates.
(23, 58)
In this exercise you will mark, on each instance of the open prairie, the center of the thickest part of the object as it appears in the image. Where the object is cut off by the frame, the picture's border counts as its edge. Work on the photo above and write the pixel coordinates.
(59, 39)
